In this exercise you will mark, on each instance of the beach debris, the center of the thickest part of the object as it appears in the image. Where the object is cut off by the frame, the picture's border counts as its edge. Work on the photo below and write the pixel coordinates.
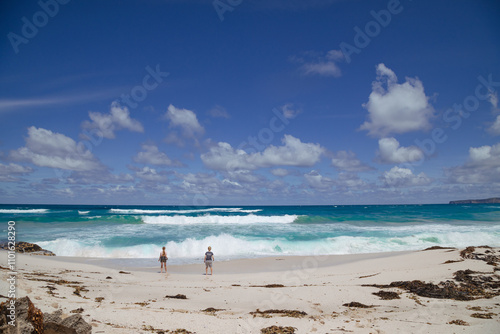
(474, 308)
(123, 272)
(278, 330)
(284, 313)
(79, 289)
(212, 310)
(109, 277)
(177, 296)
(467, 252)
(444, 290)
(357, 305)
(27, 247)
(452, 261)
(483, 315)
(458, 322)
(466, 284)
(78, 310)
(99, 299)
(235, 284)
(387, 295)
(486, 256)
(268, 286)
(437, 247)
(366, 276)
(160, 331)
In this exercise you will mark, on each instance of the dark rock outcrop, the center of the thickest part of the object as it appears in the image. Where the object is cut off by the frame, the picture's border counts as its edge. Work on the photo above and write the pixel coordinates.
(493, 200)
(30, 320)
(27, 247)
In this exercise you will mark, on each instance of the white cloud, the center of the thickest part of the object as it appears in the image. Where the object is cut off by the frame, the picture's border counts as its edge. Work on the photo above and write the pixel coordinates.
(494, 129)
(493, 99)
(45, 148)
(318, 181)
(403, 177)
(117, 119)
(150, 174)
(398, 108)
(93, 177)
(483, 166)
(186, 122)
(391, 153)
(231, 183)
(323, 65)
(279, 172)
(348, 182)
(9, 173)
(151, 155)
(292, 153)
(218, 112)
(347, 161)
(289, 111)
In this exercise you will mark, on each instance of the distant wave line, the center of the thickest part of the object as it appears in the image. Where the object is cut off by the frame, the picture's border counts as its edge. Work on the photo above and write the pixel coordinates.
(24, 210)
(143, 211)
(216, 219)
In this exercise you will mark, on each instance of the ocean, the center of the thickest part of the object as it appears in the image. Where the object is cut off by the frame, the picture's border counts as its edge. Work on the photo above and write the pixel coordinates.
(138, 232)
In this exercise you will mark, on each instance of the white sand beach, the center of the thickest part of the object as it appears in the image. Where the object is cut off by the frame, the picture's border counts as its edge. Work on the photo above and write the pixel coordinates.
(135, 300)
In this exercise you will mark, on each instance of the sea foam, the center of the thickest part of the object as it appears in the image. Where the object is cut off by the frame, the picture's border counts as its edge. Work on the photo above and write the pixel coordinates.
(217, 219)
(24, 210)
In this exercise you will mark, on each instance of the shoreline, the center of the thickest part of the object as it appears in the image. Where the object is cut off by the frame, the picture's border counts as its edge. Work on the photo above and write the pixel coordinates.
(243, 265)
(117, 300)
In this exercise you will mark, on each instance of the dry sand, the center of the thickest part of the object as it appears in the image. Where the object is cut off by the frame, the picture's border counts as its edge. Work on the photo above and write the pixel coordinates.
(135, 301)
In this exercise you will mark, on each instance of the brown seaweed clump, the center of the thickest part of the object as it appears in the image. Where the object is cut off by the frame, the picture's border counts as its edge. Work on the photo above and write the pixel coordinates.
(487, 256)
(459, 322)
(177, 296)
(443, 290)
(357, 305)
(437, 247)
(467, 284)
(483, 315)
(278, 330)
(268, 286)
(284, 313)
(387, 295)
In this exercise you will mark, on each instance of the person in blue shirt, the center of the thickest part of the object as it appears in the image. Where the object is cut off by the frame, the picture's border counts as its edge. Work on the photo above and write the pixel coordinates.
(209, 258)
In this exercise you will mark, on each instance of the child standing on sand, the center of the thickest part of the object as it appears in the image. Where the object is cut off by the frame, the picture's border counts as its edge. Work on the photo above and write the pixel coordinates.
(209, 258)
(163, 260)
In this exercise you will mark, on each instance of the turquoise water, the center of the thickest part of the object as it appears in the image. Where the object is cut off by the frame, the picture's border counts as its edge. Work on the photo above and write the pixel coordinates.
(248, 232)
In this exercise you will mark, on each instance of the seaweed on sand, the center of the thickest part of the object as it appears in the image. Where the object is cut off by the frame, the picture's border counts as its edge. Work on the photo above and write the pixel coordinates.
(278, 330)
(286, 313)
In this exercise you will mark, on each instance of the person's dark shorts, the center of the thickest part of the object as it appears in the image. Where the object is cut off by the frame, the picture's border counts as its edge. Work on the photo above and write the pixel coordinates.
(208, 264)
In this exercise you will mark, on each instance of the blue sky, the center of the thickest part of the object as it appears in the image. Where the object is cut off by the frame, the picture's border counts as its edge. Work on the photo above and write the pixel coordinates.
(249, 102)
